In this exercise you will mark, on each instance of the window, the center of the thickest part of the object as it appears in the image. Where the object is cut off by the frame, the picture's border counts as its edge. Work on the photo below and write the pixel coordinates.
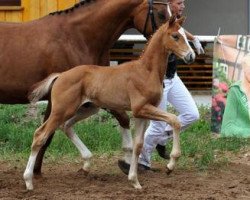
(10, 2)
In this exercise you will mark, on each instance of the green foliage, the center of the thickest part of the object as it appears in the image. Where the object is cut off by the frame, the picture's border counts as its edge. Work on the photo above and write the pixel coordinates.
(99, 133)
(15, 134)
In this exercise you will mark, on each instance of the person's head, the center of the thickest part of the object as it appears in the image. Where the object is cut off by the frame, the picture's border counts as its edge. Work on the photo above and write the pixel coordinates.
(245, 63)
(177, 7)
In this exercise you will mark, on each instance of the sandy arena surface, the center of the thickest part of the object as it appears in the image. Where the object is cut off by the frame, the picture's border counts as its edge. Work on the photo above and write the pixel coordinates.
(105, 181)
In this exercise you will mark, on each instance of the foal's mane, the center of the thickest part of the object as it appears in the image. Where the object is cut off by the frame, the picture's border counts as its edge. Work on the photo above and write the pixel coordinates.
(160, 29)
(68, 10)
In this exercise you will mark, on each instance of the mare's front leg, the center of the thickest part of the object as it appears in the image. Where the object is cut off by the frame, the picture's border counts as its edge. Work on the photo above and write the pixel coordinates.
(151, 112)
(140, 128)
(127, 141)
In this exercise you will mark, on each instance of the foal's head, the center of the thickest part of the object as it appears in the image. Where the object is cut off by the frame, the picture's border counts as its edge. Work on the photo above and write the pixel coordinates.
(175, 40)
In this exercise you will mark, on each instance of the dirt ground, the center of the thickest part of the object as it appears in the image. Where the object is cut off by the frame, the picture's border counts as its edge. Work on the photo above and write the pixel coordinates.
(63, 181)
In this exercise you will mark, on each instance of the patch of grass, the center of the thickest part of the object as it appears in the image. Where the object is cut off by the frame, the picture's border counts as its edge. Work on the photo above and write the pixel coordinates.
(15, 134)
(99, 133)
(202, 149)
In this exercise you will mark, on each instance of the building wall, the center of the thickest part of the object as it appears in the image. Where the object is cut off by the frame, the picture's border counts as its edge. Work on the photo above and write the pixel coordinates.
(33, 9)
(204, 17)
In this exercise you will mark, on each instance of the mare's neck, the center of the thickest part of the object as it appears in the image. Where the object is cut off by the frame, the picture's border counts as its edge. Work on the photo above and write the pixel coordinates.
(101, 22)
(155, 56)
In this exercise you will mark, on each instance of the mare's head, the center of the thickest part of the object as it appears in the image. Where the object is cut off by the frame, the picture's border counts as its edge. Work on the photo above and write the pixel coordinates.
(175, 39)
(149, 15)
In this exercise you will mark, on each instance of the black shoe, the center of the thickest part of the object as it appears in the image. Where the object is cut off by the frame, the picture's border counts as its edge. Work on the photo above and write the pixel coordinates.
(125, 167)
(162, 151)
(142, 167)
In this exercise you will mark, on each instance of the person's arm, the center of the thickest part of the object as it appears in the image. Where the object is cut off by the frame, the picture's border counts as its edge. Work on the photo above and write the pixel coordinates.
(195, 42)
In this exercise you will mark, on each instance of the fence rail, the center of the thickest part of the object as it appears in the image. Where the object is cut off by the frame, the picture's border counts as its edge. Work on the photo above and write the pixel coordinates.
(197, 76)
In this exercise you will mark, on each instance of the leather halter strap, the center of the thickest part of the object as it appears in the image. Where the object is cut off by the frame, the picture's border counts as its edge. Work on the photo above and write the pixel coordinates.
(151, 15)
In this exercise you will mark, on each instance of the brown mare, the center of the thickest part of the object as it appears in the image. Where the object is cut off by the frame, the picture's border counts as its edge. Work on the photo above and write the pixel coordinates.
(57, 42)
(133, 86)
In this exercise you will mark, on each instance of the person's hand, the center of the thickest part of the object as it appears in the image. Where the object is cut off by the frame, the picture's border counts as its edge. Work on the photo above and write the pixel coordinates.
(198, 46)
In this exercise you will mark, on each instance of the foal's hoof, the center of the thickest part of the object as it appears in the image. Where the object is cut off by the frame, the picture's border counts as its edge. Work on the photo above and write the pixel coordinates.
(29, 185)
(137, 186)
(84, 172)
(168, 171)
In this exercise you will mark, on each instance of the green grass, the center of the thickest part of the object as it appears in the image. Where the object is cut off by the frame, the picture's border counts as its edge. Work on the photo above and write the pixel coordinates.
(100, 134)
(16, 134)
(201, 149)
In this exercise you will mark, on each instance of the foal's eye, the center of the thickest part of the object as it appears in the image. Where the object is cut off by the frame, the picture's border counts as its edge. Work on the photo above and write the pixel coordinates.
(175, 37)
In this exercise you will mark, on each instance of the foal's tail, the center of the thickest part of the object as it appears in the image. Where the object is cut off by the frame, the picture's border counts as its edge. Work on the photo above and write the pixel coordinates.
(42, 88)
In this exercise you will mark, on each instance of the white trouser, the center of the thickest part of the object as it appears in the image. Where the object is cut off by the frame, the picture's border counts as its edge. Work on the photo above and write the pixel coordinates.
(176, 93)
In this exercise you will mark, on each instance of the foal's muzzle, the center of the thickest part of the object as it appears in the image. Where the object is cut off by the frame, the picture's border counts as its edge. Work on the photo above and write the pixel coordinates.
(189, 58)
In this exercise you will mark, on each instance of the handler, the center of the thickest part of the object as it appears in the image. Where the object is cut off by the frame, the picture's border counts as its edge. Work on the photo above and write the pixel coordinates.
(176, 93)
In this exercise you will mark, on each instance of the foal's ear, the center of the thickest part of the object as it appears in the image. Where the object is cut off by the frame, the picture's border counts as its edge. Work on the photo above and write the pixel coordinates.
(172, 20)
(181, 20)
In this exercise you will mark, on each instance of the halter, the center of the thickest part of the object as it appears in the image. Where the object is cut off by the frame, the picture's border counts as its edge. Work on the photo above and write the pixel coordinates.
(151, 15)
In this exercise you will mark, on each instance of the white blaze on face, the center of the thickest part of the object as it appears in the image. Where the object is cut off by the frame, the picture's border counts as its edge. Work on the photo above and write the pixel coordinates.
(182, 32)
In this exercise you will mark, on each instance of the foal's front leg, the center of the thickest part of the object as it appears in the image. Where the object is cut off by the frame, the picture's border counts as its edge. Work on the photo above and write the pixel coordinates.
(151, 112)
(140, 128)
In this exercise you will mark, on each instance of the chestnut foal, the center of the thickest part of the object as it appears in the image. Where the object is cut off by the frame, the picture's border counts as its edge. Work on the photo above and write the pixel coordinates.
(133, 86)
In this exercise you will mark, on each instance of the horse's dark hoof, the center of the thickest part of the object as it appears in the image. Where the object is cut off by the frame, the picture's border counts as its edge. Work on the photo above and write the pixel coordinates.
(162, 151)
(124, 167)
(168, 171)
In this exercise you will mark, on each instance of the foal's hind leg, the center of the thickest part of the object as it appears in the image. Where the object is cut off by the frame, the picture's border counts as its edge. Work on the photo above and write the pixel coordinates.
(40, 137)
(82, 113)
(39, 158)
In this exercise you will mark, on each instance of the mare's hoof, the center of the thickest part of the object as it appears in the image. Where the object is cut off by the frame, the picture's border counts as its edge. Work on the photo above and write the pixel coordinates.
(124, 167)
(162, 151)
